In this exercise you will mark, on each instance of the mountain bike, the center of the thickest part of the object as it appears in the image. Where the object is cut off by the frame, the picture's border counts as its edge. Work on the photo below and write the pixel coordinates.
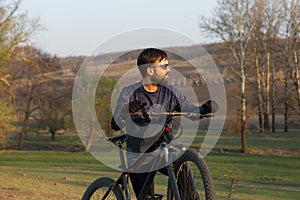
(188, 177)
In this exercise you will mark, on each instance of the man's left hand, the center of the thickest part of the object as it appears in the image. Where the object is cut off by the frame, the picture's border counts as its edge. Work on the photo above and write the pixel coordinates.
(210, 106)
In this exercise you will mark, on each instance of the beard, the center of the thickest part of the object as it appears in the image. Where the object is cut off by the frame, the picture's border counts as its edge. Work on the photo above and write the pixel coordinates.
(160, 80)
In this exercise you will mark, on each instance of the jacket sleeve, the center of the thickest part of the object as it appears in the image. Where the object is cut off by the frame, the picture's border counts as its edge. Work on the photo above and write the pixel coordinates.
(114, 125)
(184, 105)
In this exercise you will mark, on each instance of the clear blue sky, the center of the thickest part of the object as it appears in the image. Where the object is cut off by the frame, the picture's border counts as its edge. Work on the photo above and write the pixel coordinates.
(75, 27)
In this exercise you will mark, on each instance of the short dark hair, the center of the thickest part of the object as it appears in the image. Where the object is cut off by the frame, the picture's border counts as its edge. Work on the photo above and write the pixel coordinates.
(149, 56)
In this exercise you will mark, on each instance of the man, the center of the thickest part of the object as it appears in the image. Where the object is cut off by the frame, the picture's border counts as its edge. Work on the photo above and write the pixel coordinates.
(151, 94)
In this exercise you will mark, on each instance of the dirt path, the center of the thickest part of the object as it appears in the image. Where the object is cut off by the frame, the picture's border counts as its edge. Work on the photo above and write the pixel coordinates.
(21, 183)
(58, 169)
(262, 186)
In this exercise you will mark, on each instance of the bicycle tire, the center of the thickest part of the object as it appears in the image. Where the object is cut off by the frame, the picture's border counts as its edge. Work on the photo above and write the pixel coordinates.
(97, 189)
(201, 178)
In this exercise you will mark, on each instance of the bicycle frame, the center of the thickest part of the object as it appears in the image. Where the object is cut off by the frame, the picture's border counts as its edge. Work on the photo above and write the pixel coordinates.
(123, 178)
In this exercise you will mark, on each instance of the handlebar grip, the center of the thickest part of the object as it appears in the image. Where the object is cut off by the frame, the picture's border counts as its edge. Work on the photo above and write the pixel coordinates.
(207, 115)
(136, 114)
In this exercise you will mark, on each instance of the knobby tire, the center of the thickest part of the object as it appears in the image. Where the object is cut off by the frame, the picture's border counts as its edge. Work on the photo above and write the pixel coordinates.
(192, 172)
(98, 188)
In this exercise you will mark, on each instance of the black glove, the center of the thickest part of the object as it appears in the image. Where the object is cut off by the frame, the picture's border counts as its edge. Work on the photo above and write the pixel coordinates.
(130, 108)
(135, 106)
(209, 107)
(138, 117)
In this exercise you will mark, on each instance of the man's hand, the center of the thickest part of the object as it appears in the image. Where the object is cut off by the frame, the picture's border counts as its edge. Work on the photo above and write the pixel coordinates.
(210, 107)
(135, 106)
(138, 117)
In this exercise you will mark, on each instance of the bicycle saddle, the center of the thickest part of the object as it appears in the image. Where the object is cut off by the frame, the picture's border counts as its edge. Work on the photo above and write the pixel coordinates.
(117, 138)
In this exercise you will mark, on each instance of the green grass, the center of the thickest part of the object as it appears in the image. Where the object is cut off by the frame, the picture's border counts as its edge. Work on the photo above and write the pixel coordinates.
(255, 141)
(65, 175)
(227, 141)
(256, 169)
(68, 141)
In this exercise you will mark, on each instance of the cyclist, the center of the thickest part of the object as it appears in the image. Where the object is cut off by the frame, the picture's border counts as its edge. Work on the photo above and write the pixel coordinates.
(150, 94)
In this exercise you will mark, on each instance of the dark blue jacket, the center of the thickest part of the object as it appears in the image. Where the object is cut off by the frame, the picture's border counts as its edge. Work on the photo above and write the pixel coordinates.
(142, 134)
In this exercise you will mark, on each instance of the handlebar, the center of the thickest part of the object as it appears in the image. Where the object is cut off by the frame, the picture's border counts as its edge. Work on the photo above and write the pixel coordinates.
(169, 116)
(173, 114)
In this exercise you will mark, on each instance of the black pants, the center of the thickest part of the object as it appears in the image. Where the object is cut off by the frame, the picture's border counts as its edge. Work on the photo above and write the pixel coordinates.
(138, 180)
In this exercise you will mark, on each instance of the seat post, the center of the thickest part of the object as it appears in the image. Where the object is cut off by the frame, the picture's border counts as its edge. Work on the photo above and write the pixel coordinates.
(121, 155)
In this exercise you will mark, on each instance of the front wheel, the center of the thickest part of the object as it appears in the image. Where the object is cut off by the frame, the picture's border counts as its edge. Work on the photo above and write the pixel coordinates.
(99, 187)
(193, 178)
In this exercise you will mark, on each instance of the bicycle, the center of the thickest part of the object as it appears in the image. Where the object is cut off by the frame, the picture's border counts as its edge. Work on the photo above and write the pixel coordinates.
(189, 176)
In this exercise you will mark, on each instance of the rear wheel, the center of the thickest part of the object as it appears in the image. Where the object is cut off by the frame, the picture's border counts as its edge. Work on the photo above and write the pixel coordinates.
(99, 187)
(193, 178)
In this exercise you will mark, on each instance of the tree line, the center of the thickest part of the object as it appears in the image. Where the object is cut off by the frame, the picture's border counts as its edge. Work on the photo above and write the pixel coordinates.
(31, 98)
(34, 96)
(263, 37)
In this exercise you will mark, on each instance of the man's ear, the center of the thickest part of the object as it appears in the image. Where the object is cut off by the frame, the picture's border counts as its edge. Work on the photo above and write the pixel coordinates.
(150, 71)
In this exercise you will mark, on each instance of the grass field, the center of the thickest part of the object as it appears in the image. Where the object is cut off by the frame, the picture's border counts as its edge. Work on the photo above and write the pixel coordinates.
(65, 175)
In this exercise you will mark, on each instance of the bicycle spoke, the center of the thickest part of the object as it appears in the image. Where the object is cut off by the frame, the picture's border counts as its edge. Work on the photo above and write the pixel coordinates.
(190, 182)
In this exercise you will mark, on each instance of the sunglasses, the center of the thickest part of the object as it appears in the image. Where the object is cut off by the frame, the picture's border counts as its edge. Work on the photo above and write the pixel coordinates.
(164, 66)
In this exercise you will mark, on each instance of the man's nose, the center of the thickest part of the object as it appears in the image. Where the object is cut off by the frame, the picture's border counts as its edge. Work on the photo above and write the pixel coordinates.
(169, 69)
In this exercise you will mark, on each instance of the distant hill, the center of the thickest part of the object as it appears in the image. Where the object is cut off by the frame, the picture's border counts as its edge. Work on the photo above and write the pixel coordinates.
(118, 63)
(127, 60)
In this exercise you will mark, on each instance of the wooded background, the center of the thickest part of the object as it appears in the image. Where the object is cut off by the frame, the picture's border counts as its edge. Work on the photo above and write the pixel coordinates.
(257, 54)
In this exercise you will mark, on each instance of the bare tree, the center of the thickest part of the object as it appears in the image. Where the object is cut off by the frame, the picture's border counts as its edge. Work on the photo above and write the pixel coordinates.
(54, 97)
(15, 30)
(54, 103)
(288, 51)
(267, 24)
(294, 34)
(276, 33)
(233, 22)
(29, 73)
